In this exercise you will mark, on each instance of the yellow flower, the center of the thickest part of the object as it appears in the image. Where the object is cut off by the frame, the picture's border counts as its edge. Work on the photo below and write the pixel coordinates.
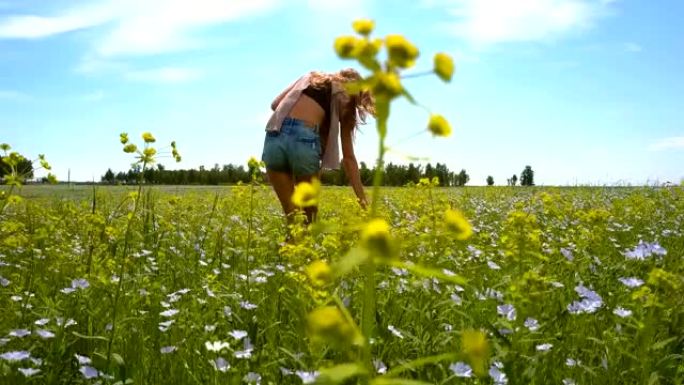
(475, 346)
(444, 66)
(148, 138)
(346, 46)
(363, 26)
(129, 148)
(319, 273)
(149, 152)
(386, 84)
(439, 126)
(458, 224)
(123, 137)
(253, 163)
(366, 51)
(400, 51)
(306, 194)
(375, 236)
(328, 324)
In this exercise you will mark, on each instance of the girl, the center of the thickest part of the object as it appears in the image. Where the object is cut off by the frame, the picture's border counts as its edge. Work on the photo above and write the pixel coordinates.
(309, 119)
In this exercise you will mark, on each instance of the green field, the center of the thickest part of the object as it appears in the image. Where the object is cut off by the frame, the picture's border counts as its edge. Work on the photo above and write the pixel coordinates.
(194, 285)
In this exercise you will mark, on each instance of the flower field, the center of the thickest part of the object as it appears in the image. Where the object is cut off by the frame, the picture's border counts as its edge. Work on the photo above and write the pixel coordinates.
(196, 286)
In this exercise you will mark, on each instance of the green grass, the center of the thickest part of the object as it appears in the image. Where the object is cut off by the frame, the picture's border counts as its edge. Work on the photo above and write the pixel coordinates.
(208, 241)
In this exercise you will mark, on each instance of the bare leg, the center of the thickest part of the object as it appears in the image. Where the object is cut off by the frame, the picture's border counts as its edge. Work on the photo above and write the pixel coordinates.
(311, 211)
(283, 184)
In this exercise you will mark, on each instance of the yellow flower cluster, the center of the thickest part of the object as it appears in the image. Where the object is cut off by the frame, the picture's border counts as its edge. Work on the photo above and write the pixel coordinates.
(327, 324)
(385, 81)
(457, 224)
(376, 238)
(475, 346)
(306, 193)
(319, 273)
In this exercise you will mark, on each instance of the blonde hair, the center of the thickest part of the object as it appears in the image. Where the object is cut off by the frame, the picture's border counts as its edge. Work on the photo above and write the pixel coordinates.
(361, 103)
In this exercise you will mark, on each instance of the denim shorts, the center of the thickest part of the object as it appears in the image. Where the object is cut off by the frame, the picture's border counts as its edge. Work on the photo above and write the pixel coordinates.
(295, 149)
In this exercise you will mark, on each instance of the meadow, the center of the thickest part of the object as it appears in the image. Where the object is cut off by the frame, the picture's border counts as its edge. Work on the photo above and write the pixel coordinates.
(196, 286)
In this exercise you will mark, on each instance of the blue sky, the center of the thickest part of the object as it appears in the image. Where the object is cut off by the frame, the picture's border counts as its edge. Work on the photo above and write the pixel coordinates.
(584, 91)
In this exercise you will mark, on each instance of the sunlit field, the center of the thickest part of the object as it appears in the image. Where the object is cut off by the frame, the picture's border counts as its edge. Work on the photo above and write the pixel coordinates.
(193, 285)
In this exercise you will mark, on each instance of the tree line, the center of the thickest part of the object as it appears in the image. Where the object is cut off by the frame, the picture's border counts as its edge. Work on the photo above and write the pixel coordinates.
(394, 175)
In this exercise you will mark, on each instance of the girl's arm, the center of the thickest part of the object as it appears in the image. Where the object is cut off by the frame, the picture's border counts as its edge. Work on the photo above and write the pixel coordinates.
(351, 167)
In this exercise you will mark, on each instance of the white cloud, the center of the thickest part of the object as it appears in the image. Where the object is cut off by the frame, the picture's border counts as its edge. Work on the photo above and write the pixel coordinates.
(165, 75)
(632, 47)
(155, 26)
(136, 27)
(498, 21)
(32, 26)
(675, 142)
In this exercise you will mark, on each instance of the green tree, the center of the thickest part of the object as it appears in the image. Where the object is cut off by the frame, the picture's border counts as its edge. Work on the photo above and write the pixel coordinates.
(490, 180)
(513, 181)
(462, 178)
(24, 168)
(366, 174)
(108, 177)
(527, 177)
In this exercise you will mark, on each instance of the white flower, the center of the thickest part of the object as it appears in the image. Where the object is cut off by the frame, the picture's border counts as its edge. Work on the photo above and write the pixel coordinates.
(15, 356)
(568, 381)
(42, 322)
(379, 366)
(507, 310)
(622, 312)
(45, 334)
(20, 333)
(532, 324)
(69, 322)
(243, 354)
(216, 346)
(169, 313)
(221, 364)
(4, 282)
(82, 360)
(164, 326)
(567, 253)
(590, 302)
(571, 362)
(631, 281)
(461, 369)
(167, 349)
(252, 378)
(88, 372)
(394, 331)
(247, 305)
(497, 375)
(307, 377)
(238, 334)
(493, 265)
(80, 283)
(544, 347)
(28, 372)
